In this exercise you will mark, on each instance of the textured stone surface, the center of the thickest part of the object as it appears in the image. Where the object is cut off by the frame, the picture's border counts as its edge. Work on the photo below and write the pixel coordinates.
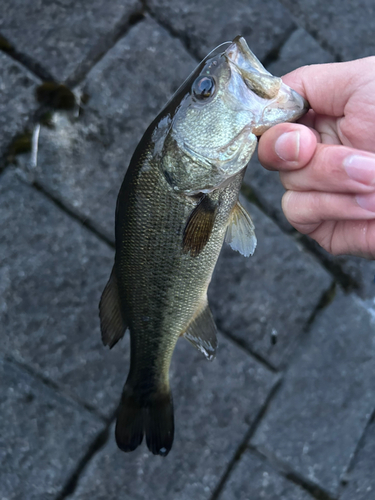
(253, 478)
(17, 101)
(43, 436)
(361, 479)
(345, 27)
(51, 276)
(204, 25)
(64, 37)
(317, 418)
(84, 161)
(277, 289)
(214, 405)
(300, 49)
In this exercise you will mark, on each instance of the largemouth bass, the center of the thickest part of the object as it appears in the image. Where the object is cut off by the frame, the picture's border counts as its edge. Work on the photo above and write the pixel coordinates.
(177, 204)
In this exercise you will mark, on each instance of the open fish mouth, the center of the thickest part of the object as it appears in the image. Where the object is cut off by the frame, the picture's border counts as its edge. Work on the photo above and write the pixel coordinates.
(276, 102)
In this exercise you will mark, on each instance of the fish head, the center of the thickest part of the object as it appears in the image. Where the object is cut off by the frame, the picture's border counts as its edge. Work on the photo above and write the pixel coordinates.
(219, 111)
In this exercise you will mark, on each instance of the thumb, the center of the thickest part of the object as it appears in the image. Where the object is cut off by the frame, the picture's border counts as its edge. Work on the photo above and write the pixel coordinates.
(287, 146)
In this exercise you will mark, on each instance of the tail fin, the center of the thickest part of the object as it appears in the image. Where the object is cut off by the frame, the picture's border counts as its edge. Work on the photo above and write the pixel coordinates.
(152, 416)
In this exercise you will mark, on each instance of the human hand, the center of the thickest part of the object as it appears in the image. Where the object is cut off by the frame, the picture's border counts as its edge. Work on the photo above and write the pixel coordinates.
(327, 162)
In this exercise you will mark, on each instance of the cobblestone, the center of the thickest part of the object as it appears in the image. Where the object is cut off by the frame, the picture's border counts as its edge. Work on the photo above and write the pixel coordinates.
(317, 418)
(17, 103)
(42, 436)
(345, 27)
(52, 274)
(58, 384)
(361, 479)
(63, 37)
(204, 25)
(214, 405)
(254, 478)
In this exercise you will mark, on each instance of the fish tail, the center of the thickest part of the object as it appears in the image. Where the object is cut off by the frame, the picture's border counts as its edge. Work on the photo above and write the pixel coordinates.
(151, 415)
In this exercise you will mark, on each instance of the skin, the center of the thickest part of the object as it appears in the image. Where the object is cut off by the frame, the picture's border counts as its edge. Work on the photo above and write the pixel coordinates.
(330, 196)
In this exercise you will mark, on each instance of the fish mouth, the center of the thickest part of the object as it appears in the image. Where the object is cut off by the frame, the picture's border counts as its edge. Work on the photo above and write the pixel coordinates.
(254, 74)
(278, 103)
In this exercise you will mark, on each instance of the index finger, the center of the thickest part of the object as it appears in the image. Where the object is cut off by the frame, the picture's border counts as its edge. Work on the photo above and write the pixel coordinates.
(328, 87)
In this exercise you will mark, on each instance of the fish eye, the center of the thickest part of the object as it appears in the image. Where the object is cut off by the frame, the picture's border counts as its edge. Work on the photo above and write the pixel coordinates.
(203, 87)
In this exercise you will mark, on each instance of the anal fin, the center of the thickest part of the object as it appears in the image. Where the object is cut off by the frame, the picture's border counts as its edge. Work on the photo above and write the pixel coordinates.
(112, 322)
(240, 233)
(201, 332)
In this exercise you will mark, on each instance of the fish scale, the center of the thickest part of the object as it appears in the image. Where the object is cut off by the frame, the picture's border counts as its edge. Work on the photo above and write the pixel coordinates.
(177, 203)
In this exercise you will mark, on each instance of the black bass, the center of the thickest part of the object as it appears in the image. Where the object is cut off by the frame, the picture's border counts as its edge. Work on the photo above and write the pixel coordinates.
(177, 204)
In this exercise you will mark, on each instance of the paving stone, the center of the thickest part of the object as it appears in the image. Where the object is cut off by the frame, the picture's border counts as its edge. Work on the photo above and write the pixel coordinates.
(82, 162)
(361, 480)
(362, 271)
(276, 289)
(52, 273)
(43, 436)
(253, 478)
(315, 421)
(359, 272)
(64, 37)
(299, 50)
(17, 102)
(204, 25)
(214, 405)
(345, 27)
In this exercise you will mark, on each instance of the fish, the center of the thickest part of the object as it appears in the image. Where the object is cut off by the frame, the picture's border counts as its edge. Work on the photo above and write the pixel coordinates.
(177, 204)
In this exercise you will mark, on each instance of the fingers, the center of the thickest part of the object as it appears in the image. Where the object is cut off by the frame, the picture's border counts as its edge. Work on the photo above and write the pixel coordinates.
(347, 237)
(306, 211)
(334, 169)
(328, 87)
(287, 146)
(306, 165)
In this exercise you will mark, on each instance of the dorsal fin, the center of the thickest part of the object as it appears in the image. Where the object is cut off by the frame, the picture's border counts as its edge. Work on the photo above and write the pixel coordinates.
(199, 226)
(240, 233)
(112, 322)
(201, 332)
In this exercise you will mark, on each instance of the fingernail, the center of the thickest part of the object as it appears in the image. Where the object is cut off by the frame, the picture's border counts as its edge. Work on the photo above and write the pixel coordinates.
(366, 201)
(287, 146)
(360, 168)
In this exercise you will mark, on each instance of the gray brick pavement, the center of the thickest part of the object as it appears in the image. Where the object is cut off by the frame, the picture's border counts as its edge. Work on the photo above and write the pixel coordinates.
(253, 478)
(203, 25)
(52, 270)
(42, 436)
(52, 274)
(17, 103)
(345, 28)
(64, 38)
(327, 398)
(215, 403)
(361, 479)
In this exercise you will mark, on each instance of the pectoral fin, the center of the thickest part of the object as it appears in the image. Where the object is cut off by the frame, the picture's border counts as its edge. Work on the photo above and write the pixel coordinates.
(112, 322)
(199, 226)
(240, 232)
(202, 333)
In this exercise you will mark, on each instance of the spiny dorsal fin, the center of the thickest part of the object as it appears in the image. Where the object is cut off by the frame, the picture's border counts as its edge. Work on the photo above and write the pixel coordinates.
(240, 233)
(199, 226)
(201, 332)
(112, 322)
